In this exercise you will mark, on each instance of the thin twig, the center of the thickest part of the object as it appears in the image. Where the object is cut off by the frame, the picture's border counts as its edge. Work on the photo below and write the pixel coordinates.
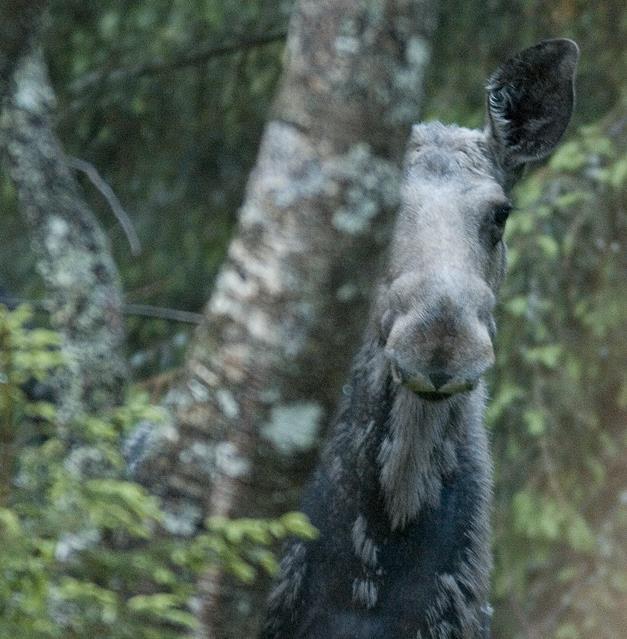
(159, 312)
(158, 66)
(114, 203)
(11, 301)
(7, 420)
(143, 310)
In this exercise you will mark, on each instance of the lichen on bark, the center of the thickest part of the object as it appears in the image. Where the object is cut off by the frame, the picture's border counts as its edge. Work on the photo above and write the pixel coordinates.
(289, 303)
(72, 253)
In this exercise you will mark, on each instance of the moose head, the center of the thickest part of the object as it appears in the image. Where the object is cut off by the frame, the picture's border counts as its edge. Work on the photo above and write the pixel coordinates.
(448, 256)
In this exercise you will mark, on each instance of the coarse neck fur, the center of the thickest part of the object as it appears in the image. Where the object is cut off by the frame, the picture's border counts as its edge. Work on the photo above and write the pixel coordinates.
(407, 444)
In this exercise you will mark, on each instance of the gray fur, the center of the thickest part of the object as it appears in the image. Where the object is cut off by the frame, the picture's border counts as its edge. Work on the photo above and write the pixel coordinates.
(285, 596)
(365, 592)
(402, 495)
(412, 467)
(365, 548)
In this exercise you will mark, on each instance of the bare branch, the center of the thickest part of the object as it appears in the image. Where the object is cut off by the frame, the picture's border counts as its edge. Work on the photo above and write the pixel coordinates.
(158, 66)
(114, 203)
(143, 310)
(160, 312)
(11, 301)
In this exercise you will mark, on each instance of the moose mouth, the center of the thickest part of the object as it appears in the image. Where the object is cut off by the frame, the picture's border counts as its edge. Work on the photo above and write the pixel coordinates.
(434, 396)
(424, 387)
(438, 396)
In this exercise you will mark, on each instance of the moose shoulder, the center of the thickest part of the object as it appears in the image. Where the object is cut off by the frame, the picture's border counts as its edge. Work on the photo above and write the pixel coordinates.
(402, 495)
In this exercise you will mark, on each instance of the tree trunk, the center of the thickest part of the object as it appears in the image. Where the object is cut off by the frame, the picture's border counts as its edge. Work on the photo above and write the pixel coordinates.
(288, 307)
(72, 252)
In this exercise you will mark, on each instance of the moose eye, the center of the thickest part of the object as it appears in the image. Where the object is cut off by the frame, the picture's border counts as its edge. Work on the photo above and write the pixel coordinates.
(500, 214)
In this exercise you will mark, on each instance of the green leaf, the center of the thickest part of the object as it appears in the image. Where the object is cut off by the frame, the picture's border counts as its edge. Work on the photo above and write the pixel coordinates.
(550, 248)
(517, 306)
(298, 524)
(9, 523)
(568, 157)
(548, 355)
(535, 421)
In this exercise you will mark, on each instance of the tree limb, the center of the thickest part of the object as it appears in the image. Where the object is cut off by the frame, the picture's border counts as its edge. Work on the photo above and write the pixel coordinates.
(112, 200)
(144, 310)
(161, 312)
(159, 66)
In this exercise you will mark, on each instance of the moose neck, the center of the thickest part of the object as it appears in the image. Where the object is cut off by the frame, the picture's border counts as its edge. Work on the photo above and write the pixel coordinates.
(415, 442)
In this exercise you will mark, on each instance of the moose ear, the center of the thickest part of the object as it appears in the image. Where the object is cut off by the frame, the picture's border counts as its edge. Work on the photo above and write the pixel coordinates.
(530, 101)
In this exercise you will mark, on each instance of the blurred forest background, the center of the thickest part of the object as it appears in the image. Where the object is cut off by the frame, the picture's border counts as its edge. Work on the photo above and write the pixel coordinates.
(167, 100)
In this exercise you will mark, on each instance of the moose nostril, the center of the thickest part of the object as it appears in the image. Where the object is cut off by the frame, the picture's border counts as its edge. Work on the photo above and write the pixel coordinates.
(440, 379)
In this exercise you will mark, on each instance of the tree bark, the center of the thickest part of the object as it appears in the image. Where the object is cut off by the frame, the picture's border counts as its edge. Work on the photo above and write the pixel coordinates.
(72, 252)
(288, 307)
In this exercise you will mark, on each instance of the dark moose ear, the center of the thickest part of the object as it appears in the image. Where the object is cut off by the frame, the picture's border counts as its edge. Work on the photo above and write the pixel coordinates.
(530, 101)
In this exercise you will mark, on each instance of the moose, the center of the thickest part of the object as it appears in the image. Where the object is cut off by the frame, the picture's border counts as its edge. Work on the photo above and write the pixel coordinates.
(402, 496)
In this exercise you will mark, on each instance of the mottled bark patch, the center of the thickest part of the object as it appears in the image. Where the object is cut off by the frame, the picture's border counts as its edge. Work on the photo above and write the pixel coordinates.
(72, 252)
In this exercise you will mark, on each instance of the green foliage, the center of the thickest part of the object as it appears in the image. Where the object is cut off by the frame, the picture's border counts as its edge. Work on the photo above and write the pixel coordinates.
(559, 392)
(242, 544)
(559, 409)
(82, 553)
